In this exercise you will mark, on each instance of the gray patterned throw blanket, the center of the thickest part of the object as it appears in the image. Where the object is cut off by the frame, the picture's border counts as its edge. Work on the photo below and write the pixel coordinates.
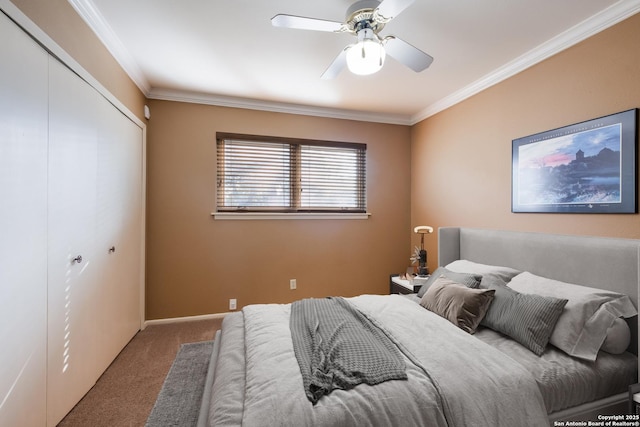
(337, 347)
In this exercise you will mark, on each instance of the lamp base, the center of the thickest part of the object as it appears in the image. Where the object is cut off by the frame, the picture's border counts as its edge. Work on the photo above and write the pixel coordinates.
(423, 270)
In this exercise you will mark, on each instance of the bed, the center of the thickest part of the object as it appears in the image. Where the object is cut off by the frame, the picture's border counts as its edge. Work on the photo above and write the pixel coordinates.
(483, 368)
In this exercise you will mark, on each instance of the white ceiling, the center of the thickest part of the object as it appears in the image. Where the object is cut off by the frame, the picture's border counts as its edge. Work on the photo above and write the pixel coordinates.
(226, 52)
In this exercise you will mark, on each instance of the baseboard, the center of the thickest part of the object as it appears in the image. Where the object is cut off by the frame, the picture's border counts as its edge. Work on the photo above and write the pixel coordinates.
(183, 319)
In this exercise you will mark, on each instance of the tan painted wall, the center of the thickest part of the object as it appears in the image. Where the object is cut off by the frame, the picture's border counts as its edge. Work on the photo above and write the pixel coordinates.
(60, 21)
(460, 175)
(195, 264)
(461, 157)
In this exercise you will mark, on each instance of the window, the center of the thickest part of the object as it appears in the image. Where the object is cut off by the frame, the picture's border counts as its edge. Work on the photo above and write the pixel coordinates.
(267, 174)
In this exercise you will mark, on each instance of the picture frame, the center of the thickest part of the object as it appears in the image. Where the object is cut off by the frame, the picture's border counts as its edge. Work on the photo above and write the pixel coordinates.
(587, 167)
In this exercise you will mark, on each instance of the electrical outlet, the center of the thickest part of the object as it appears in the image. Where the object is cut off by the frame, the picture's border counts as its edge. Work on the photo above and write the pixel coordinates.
(232, 304)
(293, 284)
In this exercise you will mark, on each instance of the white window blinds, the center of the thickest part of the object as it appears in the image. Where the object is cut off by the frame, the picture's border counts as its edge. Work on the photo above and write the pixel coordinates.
(267, 174)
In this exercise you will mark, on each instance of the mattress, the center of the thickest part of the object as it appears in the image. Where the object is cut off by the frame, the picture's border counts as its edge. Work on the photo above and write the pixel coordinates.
(490, 365)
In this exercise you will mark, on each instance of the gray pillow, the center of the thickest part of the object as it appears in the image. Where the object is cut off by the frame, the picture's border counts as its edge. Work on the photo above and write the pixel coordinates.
(469, 280)
(463, 306)
(470, 267)
(527, 318)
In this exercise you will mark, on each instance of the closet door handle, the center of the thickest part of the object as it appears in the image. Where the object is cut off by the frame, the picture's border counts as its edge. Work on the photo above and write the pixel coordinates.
(77, 259)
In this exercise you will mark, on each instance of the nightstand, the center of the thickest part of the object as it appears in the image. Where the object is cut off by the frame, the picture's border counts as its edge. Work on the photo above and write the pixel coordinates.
(634, 399)
(400, 286)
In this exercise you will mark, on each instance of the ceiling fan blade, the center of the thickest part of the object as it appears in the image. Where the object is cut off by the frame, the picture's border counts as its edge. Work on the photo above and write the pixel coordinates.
(389, 9)
(407, 54)
(337, 65)
(302, 23)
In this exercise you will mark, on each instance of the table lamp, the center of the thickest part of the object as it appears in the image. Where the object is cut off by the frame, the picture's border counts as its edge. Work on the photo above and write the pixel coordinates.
(422, 263)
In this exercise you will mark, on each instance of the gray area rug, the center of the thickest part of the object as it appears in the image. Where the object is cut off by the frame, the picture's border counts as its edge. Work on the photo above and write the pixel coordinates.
(178, 403)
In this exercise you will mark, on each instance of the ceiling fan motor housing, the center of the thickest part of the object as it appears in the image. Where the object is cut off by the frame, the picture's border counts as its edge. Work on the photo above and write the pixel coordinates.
(361, 15)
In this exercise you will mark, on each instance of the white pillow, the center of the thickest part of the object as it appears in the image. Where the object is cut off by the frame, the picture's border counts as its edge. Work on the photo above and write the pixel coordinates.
(470, 267)
(618, 337)
(589, 313)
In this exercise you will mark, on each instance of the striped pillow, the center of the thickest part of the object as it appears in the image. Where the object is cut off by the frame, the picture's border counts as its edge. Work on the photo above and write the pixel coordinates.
(527, 318)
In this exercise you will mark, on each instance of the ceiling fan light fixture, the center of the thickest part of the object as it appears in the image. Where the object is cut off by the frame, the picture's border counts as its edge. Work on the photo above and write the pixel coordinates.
(367, 56)
(364, 19)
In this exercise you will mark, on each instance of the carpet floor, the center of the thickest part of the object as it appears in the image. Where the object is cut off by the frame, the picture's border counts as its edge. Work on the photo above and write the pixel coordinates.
(125, 394)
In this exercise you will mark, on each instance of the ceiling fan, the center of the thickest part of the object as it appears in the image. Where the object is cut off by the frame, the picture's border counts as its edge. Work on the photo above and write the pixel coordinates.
(365, 19)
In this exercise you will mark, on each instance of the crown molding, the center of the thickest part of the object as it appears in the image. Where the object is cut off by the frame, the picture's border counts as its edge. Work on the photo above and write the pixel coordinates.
(276, 107)
(50, 45)
(94, 19)
(585, 29)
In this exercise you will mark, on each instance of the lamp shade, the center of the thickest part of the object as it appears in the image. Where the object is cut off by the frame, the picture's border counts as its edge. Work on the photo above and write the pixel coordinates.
(423, 229)
(365, 57)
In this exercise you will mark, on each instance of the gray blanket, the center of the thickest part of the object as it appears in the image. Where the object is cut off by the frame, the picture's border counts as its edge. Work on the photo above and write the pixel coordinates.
(337, 347)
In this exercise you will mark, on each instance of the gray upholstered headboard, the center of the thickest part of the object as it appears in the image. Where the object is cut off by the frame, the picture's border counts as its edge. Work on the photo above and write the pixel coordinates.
(599, 262)
(605, 263)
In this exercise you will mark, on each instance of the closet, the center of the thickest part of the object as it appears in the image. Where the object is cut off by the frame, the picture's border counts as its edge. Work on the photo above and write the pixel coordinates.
(71, 233)
(23, 228)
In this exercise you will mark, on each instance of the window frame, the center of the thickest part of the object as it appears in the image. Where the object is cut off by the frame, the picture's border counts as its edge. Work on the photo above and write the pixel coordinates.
(294, 211)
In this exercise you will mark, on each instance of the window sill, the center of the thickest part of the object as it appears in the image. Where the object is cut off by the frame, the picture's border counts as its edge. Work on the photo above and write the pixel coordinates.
(267, 215)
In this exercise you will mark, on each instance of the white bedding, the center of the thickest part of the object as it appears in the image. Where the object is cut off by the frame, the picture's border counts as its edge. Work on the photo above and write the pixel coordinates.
(454, 378)
(566, 381)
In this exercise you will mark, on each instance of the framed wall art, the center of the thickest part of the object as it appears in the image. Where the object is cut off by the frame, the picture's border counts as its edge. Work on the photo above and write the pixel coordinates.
(588, 167)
